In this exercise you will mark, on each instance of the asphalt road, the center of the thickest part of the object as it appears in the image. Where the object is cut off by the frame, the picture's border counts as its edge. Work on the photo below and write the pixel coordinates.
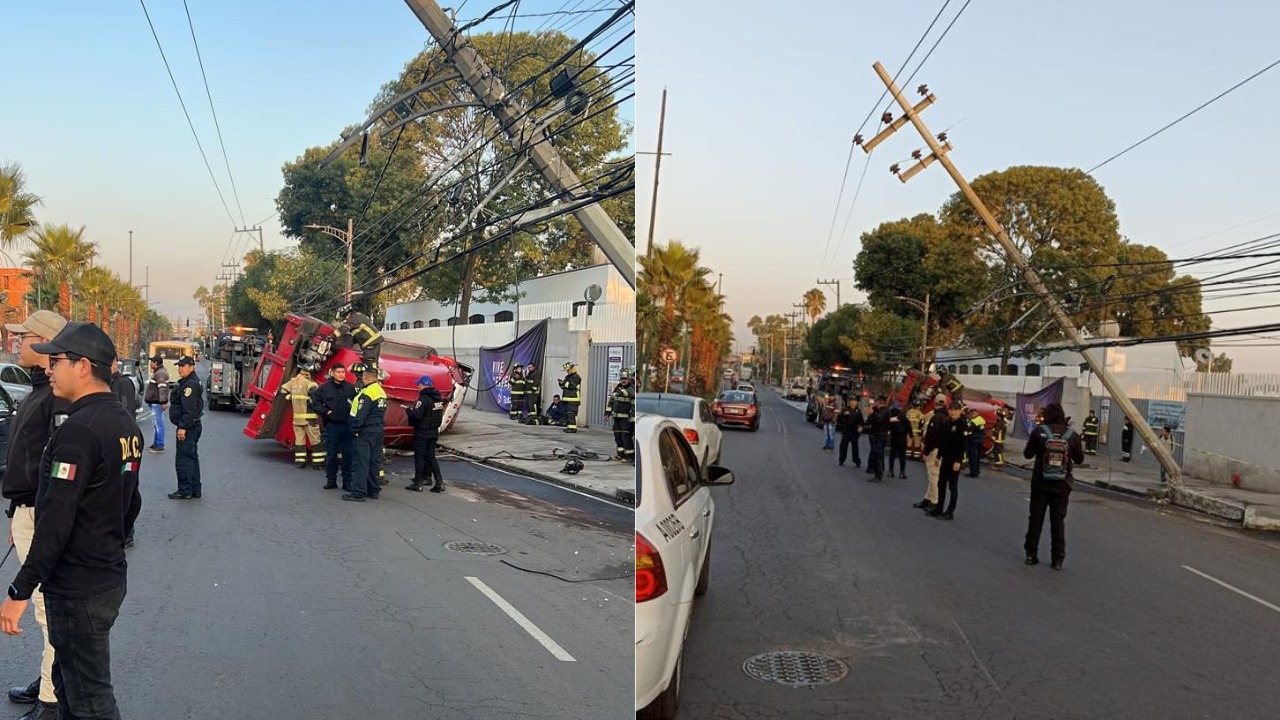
(271, 598)
(941, 619)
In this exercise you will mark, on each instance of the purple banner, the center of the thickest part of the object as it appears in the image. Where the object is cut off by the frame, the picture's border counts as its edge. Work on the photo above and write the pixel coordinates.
(1028, 407)
(494, 393)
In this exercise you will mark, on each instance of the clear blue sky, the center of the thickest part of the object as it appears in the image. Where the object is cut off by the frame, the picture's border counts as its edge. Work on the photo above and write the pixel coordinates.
(764, 99)
(91, 116)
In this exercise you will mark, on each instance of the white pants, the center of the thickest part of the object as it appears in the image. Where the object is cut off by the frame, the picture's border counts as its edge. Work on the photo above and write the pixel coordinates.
(931, 468)
(23, 528)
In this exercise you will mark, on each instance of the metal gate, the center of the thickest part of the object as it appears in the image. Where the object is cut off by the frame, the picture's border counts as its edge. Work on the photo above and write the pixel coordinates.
(606, 360)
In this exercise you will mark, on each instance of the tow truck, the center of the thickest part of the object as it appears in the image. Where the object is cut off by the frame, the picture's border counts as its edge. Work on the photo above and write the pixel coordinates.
(235, 353)
(306, 339)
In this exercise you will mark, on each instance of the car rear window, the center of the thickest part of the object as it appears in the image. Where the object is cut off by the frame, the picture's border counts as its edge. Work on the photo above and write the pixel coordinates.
(736, 397)
(666, 407)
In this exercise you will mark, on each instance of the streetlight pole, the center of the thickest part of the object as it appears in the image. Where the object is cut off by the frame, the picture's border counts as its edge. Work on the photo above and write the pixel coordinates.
(924, 336)
(347, 239)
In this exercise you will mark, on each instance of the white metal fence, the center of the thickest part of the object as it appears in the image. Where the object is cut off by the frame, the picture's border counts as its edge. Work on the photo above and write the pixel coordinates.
(1175, 386)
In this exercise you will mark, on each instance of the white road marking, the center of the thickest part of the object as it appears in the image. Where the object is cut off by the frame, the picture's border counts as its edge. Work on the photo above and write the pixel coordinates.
(522, 621)
(1233, 589)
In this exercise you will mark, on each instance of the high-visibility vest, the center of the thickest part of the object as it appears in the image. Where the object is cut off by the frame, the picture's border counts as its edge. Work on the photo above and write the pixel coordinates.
(572, 382)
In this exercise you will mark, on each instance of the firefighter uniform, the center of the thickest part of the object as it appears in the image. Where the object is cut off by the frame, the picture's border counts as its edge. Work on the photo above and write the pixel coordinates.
(915, 422)
(997, 440)
(368, 425)
(532, 395)
(186, 406)
(357, 330)
(571, 395)
(515, 407)
(306, 426)
(425, 416)
(622, 408)
(1091, 434)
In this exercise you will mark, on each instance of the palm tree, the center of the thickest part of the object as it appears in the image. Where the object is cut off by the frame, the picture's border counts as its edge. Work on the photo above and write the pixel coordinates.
(60, 255)
(667, 277)
(815, 301)
(94, 285)
(17, 206)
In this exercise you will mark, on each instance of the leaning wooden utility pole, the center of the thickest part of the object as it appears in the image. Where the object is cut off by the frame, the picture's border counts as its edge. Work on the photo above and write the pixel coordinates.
(477, 74)
(940, 148)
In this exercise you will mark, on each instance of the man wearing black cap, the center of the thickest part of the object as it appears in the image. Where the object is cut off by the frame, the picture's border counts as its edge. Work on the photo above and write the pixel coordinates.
(425, 416)
(368, 424)
(185, 409)
(157, 396)
(29, 431)
(87, 504)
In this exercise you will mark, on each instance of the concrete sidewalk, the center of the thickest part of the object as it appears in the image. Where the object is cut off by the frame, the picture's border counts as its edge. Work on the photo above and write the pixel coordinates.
(1252, 510)
(494, 439)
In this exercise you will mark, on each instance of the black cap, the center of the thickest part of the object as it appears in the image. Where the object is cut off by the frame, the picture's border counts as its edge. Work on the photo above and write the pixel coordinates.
(156, 359)
(84, 339)
(186, 360)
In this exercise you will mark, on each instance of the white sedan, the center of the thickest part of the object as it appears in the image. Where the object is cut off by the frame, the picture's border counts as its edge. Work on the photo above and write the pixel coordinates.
(674, 520)
(694, 417)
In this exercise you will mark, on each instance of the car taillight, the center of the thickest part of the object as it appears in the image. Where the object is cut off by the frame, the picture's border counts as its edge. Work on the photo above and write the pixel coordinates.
(691, 435)
(715, 406)
(651, 578)
(751, 409)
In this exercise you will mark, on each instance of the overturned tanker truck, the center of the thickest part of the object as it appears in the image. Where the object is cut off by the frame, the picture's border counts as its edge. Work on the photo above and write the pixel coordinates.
(306, 339)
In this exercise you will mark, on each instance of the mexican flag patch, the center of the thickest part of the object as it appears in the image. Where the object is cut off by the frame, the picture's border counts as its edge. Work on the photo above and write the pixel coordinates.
(130, 467)
(64, 471)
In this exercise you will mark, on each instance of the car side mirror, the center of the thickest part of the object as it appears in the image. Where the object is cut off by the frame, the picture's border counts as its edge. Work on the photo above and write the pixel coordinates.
(718, 475)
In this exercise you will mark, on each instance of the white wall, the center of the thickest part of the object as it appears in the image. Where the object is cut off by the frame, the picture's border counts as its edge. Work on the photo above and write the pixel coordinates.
(566, 287)
(1226, 435)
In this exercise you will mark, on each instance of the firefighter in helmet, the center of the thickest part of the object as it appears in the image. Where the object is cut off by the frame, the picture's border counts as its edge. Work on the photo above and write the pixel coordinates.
(515, 408)
(571, 395)
(532, 395)
(356, 329)
(306, 424)
(621, 407)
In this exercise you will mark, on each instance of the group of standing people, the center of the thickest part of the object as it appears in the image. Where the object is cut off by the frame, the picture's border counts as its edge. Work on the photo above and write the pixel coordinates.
(74, 455)
(340, 426)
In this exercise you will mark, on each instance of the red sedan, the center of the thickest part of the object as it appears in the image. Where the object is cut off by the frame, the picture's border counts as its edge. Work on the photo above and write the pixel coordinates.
(735, 407)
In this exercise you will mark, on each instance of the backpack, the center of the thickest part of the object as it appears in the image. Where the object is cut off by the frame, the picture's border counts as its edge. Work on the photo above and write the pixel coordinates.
(1057, 454)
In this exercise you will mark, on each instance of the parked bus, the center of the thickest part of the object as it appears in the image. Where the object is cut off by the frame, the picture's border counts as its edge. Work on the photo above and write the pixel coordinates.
(170, 352)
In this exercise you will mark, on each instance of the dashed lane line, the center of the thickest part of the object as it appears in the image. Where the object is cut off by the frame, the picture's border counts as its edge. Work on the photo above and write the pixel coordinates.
(522, 621)
(1233, 588)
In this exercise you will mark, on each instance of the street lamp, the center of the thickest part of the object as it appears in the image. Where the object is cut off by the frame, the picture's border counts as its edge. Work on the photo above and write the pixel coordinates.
(924, 338)
(346, 237)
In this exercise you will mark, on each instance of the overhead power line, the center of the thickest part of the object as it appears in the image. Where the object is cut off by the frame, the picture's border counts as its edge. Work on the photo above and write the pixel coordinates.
(194, 134)
(214, 112)
(1202, 106)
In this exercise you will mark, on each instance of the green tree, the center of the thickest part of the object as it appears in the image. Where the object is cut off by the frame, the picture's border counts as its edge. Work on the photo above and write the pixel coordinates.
(60, 255)
(17, 206)
(870, 340)
(261, 296)
(815, 301)
(432, 146)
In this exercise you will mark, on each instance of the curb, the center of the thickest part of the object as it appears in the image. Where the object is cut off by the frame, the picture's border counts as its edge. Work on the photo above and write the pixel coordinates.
(624, 496)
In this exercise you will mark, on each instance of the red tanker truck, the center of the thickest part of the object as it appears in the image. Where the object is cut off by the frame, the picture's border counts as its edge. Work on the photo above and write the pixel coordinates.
(306, 339)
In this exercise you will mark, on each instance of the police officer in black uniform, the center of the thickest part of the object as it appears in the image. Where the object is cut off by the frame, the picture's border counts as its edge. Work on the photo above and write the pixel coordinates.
(425, 416)
(186, 406)
(532, 395)
(333, 404)
(368, 425)
(87, 504)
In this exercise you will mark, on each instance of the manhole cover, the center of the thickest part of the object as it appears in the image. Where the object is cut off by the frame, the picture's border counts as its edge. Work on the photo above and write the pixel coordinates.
(795, 669)
(475, 548)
